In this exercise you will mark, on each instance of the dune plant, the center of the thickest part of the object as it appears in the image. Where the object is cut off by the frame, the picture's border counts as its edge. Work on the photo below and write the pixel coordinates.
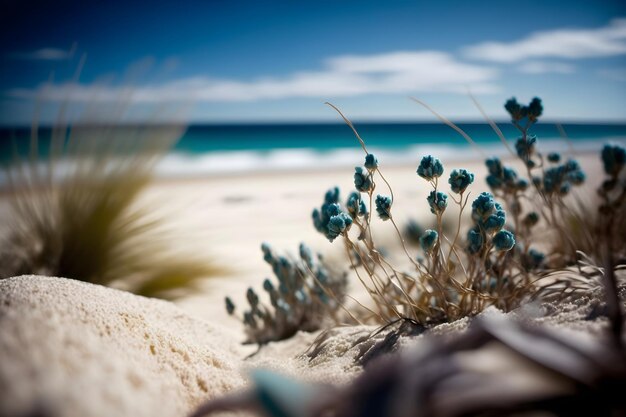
(74, 211)
(455, 277)
(306, 294)
(496, 263)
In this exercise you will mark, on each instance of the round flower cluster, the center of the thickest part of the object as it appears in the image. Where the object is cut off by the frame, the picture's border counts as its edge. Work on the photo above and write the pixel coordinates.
(383, 206)
(330, 220)
(430, 168)
(460, 179)
(371, 162)
(428, 240)
(559, 179)
(437, 201)
(525, 148)
(519, 112)
(503, 178)
(355, 205)
(554, 157)
(613, 158)
(489, 218)
(363, 180)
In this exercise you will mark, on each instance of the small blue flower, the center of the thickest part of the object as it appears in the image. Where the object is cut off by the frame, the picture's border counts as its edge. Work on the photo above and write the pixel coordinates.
(535, 109)
(362, 180)
(483, 205)
(525, 147)
(371, 162)
(519, 112)
(514, 108)
(430, 168)
(531, 219)
(338, 224)
(493, 182)
(306, 255)
(576, 177)
(252, 297)
(474, 241)
(437, 201)
(554, 157)
(503, 240)
(460, 179)
(495, 221)
(355, 205)
(521, 184)
(500, 177)
(230, 306)
(533, 259)
(267, 285)
(249, 320)
(383, 207)
(613, 158)
(332, 196)
(494, 166)
(329, 208)
(428, 240)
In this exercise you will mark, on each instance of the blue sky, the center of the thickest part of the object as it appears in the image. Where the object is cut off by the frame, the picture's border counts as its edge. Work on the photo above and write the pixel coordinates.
(267, 61)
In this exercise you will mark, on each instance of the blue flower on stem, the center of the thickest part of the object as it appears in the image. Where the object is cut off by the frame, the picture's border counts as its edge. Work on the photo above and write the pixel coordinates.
(430, 168)
(383, 206)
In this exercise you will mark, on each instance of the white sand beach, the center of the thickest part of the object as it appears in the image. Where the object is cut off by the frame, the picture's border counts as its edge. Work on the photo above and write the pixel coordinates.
(75, 349)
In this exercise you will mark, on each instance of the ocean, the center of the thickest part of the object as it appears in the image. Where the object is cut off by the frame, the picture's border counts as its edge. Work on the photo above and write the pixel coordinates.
(242, 148)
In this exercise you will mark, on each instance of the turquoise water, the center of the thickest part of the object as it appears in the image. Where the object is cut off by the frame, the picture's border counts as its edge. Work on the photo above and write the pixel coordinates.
(214, 149)
(200, 139)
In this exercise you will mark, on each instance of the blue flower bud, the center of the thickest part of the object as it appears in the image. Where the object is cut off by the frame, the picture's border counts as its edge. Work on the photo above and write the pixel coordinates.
(522, 184)
(230, 306)
(430, 168)
(494, 166)
(503, 240)
(437, 201)
(306, 255)
(474, 241)
(460, 179)
(383, 206)
(371, 162)
(355, 205)
(576, 177)
(531, 219)
(428, 240)
(483, 205)
(554, 157)
(493, 182)
(249, 320)
(533, 259)
(514, 108)
(332, 196)
(525, 147)
(338, 225)
(535, 109)
(253, 299)
(267, 285)
(613, 158)
(495, 221)
(362, 180)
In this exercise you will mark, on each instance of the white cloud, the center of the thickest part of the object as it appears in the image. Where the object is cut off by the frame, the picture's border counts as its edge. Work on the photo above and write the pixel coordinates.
(609, 40)
(541, 67)
(46, 54)
(343, 76)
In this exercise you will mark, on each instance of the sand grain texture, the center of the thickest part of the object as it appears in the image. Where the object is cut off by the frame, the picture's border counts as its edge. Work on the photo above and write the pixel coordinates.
(75, 349)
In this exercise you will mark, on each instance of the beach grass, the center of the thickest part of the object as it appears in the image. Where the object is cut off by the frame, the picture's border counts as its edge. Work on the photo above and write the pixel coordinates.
(77, 212)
